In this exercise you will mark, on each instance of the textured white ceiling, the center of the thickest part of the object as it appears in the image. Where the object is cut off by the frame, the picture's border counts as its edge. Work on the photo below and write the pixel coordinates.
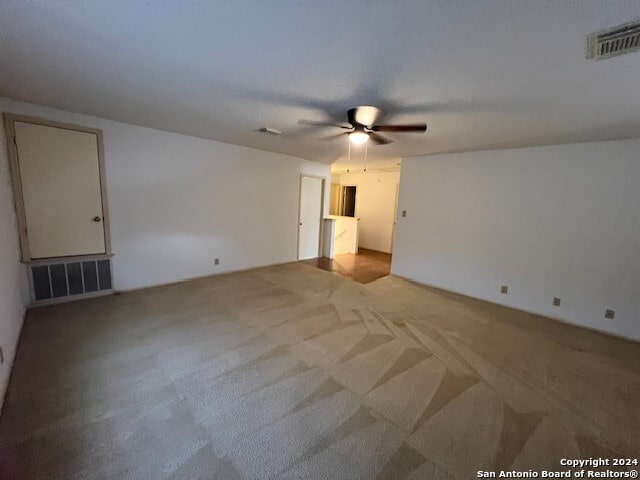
(482, 74)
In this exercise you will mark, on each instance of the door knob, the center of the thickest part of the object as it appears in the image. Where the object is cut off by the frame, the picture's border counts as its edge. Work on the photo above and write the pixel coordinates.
(97, 219)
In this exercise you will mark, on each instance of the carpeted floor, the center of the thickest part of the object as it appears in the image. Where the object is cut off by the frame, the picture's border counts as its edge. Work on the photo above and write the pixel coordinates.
(293, 372)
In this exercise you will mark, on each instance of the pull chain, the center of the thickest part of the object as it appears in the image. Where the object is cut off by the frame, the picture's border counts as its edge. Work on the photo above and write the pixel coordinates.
(349, 156)
(366, 149)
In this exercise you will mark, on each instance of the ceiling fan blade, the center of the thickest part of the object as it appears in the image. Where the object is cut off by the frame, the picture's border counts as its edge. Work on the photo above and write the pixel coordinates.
(379, 139)
(321, 124)
(351, 116)
(416, 127)
(333, 137)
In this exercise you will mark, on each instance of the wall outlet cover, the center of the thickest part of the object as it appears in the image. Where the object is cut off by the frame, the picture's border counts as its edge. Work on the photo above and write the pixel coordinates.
(404, 213)
(556, 302)
(216, 261)
(609, 314)
(504, 289)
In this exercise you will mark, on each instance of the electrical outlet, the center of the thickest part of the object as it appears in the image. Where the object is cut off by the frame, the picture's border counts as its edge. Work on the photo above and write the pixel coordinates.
(1, 356)
(404, 213)
(556, 302)
(504, 289)
(609, 314)
(216, 261)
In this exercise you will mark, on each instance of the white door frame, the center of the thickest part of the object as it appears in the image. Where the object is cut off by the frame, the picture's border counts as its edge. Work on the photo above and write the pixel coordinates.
(14, 165)
(395, 217)
(324, 181)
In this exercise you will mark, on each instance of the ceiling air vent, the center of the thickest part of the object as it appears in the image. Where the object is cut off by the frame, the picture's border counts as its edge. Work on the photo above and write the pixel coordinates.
(615, 41)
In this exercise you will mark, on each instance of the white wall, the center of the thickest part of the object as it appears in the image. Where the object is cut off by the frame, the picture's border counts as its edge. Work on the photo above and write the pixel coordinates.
(375, 205)
(345, 235)
(548, 221)
(177, 202)
(14, 289)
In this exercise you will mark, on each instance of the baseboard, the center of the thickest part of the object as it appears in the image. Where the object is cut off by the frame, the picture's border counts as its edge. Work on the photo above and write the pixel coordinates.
(13, 359)
(530, 312)
(200, 277)
(70, 298)
(360, 247)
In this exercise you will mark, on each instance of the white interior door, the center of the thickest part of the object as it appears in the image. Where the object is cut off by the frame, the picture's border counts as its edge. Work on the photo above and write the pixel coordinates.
(310, 217)
(60, 179)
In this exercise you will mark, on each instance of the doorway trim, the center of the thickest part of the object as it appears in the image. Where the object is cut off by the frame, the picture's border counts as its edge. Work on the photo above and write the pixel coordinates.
(322, 194)
(14, 166)
(395, 216)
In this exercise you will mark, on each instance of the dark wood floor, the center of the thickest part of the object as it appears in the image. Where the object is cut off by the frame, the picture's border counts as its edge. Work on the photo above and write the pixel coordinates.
(365, 267)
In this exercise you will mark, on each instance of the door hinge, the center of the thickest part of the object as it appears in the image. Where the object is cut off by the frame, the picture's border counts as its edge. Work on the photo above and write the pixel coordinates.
(25, 232)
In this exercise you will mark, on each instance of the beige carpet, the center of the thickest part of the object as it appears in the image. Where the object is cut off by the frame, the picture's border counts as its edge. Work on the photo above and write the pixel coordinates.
(293, 372)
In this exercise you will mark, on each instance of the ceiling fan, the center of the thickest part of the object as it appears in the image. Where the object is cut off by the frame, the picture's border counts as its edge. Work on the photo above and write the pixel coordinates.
(363, 126)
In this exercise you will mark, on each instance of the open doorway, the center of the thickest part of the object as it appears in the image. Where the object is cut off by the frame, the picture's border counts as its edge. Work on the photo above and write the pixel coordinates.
(365, 202)
(343, 200)
(349, 200)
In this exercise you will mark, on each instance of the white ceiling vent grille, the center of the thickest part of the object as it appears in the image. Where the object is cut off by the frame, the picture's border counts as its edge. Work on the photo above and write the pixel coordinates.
(617, 41)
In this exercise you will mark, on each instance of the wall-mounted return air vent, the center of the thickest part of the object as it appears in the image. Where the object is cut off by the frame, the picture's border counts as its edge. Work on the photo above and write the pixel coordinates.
(67, 279)
(616, 41)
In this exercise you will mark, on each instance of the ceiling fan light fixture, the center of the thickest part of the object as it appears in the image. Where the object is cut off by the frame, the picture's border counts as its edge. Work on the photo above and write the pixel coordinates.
(358, 138)
(363, 126)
